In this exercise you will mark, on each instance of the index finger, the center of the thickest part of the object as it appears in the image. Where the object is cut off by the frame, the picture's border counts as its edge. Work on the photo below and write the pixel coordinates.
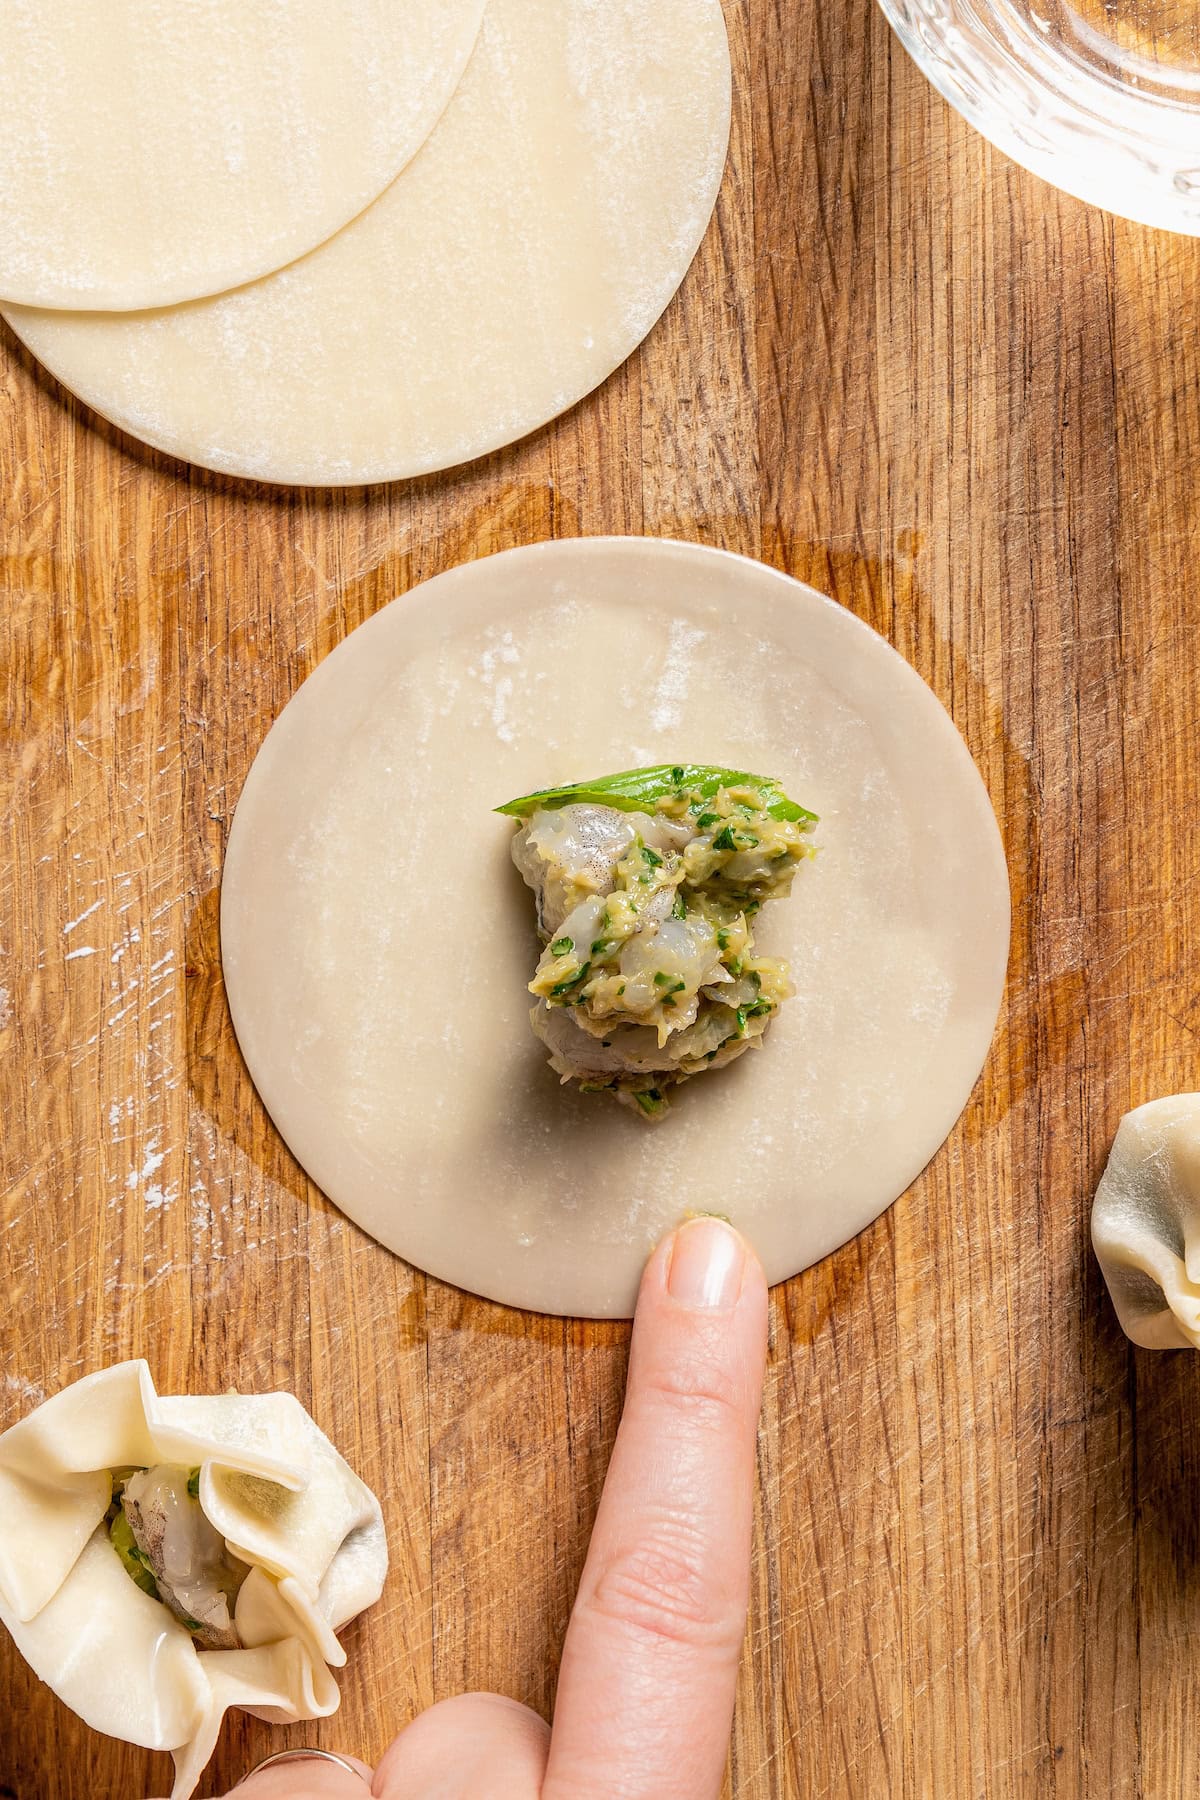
(645, 1694)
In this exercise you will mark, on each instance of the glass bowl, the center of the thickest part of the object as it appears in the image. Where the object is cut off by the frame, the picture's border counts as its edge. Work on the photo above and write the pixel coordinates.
(1101, 98)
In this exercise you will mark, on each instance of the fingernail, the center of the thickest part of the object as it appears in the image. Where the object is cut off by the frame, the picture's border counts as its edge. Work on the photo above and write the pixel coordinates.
(707, 1262)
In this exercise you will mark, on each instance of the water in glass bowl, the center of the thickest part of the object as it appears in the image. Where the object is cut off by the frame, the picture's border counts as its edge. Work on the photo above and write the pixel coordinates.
(1100, 97)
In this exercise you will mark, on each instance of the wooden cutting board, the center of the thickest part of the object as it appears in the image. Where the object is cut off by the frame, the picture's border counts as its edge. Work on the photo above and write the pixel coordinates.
(970, 410)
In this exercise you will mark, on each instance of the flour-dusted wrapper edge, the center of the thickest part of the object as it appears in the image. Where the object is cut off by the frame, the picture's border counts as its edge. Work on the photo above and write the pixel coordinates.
(275, 1489)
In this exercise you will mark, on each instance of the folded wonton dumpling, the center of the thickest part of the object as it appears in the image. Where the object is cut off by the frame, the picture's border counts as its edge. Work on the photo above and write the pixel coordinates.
(246, 1531)
(1146, 1223)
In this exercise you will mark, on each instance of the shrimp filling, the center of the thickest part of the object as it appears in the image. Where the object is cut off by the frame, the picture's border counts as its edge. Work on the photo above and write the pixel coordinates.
(170, 1549)
(648, 886)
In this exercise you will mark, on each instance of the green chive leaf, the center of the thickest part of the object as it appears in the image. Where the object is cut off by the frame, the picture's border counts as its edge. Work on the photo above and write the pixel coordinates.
(640, 790)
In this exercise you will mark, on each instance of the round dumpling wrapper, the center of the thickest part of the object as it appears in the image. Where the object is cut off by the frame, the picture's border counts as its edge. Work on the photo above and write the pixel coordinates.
(154, 153)
(377, 942)
(513, 265)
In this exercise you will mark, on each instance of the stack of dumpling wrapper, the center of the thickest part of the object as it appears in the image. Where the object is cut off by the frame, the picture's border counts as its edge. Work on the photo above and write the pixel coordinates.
(332, 245)
(276, 1490)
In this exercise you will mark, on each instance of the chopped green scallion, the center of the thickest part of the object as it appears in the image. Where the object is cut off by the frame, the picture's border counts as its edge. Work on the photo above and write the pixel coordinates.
(120, 1535)
(576, 980)
(651, 1101)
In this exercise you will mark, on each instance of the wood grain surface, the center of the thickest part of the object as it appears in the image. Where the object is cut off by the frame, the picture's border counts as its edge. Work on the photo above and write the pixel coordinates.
(969, 409)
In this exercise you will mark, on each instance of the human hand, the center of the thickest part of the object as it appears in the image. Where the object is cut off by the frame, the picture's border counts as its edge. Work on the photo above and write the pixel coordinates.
(646, 1688)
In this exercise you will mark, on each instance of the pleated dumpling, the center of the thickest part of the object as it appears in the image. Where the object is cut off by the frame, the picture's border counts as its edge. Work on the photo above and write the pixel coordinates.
(165, 1559)
(1146, 1223)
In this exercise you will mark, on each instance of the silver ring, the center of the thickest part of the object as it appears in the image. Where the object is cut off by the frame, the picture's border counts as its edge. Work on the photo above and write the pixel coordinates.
(282, 1756)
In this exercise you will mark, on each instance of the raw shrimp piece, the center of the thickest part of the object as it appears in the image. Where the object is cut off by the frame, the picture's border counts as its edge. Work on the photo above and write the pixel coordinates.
(195, 1573)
